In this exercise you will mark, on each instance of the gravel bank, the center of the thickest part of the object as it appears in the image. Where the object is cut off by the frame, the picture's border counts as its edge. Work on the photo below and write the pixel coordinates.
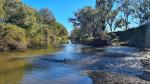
(114, 78)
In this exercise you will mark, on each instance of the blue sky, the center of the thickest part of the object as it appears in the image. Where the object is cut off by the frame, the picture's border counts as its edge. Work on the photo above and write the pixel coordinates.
(62, 9)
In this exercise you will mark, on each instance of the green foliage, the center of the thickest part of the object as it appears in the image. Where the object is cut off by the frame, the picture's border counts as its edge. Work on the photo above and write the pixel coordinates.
(24, 27)
(58, 29)
(46, 16)
(113, 14)
(40, 35)
(76, 34)
(87, 25)
(23, 17)
(12, 37)
(104, 8)
(83, 22)
(2, 12)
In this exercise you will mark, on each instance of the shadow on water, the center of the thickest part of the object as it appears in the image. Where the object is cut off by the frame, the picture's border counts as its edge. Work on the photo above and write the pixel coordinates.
(68, 64)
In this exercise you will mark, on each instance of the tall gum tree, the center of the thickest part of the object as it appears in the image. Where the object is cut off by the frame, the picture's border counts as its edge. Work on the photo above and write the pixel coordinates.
(103, 7)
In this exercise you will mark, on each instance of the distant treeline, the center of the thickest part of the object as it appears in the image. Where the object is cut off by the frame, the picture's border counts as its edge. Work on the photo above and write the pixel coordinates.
(91, 25)
(23, 27)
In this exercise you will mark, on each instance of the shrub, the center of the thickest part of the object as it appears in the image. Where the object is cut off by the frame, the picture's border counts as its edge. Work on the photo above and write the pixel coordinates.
(39, 36)
(12, 37)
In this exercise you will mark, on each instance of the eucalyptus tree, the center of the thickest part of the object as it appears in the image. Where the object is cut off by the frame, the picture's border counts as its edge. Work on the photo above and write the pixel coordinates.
(111, 18)
(76, 34)
(104, 7)
(126, 8)
(146, 6)
(119, 23)
(141, 10)
(84, 19)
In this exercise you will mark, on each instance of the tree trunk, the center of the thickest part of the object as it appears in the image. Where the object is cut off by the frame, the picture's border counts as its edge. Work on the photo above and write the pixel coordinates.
(126, 21)
(110, 25)
(115, 29)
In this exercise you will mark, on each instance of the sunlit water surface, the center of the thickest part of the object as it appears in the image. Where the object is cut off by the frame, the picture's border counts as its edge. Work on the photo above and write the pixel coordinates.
(69, 64)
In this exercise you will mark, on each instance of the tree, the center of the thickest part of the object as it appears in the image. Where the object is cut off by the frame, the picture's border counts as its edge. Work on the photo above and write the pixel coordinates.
(141, 11)
(76, 34)
(127, 9)
(46, 16)
(146, 4)
(26, 27)
(18, 13)
(39, 35)
(84, 19)
(104, 7)
(12, 37)
(111, 19)
(119, 23)
(2, 12)
(11, 7)
(58, 29)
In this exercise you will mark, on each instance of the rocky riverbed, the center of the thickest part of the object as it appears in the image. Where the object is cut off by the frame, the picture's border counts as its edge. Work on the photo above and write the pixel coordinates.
(114, 78)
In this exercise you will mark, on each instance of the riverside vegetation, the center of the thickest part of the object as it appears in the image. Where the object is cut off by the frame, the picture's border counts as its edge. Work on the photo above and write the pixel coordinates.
(99, 26)
(117, 22)
(23, 27)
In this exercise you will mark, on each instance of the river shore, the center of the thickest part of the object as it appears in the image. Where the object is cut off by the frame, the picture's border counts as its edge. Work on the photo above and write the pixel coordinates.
(114, 78)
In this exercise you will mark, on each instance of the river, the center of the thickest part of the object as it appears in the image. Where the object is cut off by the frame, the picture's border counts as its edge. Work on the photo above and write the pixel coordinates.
(70, 63)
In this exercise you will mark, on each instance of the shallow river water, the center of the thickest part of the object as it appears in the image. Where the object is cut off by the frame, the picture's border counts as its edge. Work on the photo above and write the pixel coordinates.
(70, 63)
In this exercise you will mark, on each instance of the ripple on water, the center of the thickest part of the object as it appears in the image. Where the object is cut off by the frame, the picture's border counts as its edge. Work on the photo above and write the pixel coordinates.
(67, 65)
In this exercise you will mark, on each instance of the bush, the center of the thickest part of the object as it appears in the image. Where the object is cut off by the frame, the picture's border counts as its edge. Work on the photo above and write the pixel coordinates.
(12, 37)
(38, 36)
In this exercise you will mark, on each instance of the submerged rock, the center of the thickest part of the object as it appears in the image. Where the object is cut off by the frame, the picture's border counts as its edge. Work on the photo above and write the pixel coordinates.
(114, 78)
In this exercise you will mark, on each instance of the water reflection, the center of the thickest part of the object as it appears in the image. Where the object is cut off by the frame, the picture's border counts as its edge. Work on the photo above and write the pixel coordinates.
(67, 64)
(13, 64)
(12, 77)
(55, 74)
(54, 69)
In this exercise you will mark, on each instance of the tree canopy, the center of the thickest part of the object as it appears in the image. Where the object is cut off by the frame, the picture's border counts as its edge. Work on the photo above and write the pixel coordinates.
(109, 16)
(24, 27)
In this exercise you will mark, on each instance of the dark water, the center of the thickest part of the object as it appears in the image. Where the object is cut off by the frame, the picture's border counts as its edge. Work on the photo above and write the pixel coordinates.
(69, 64)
